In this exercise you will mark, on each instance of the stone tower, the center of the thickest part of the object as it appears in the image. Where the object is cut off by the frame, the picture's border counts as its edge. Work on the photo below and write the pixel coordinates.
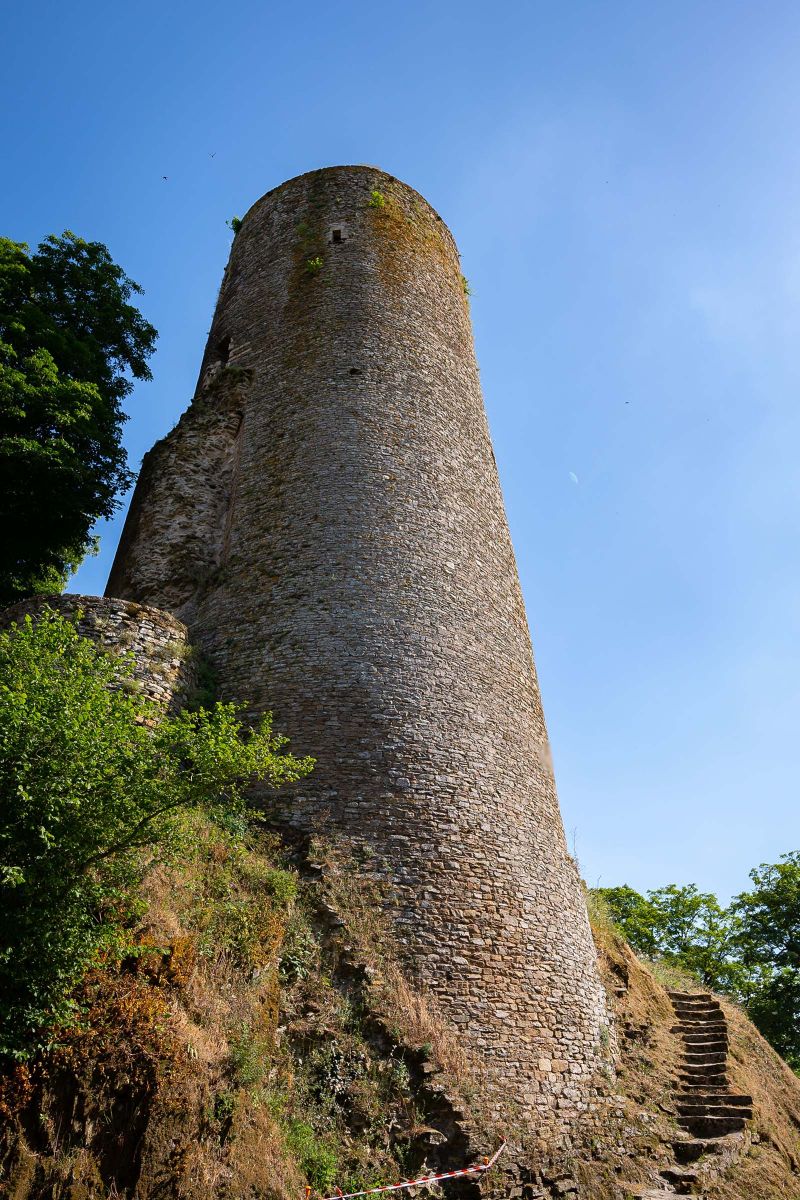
(327, 520)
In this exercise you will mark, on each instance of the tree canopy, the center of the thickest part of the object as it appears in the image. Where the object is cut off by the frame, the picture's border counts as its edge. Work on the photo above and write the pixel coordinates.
(94, 781)
(749, 950)
(70, 345)
(768, 935)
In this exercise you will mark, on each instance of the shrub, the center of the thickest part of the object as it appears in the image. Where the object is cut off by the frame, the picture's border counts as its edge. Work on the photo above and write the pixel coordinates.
(317, 1160)
(94, 783)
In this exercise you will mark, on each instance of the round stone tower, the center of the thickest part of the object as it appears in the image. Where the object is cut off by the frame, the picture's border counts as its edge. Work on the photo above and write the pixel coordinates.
(327, 520)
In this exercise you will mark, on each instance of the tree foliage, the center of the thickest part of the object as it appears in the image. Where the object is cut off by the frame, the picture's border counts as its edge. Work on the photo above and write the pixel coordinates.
(768, 934)
(681, 926)
(750, 950)
(70, 343)
(93, 784)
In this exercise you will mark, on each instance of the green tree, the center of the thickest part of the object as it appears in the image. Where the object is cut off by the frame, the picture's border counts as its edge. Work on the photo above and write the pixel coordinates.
(768, 936)
(695, 933)
(93, 783)
(681, 926)
(70, 343)
(750, 950)
(633, 915)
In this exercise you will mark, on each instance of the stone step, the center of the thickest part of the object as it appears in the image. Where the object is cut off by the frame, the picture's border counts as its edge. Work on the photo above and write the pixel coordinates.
(652, 1194)
(700, 1042)
(699, 1023)
(705, 1058)
(713, 1097)
(674, 994)
(691, 1149)
(643, 1191)
(688, 1028)
(697, 1010)
(683, 1179)
(714, 1110)
(712, 1127)
(694, 1006)
(700, 1016)
(715, 1080)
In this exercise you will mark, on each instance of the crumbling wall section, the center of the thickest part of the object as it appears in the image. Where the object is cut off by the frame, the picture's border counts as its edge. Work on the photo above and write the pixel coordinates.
(163, 665)
(174, 543)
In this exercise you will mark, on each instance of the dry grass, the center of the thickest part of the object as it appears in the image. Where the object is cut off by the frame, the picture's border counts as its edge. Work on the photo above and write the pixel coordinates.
(258, 1142)
(421, 1024)
(186, 1076)
(243, 1050)
(648, 1060)
(771, 1168)
(412, 1012)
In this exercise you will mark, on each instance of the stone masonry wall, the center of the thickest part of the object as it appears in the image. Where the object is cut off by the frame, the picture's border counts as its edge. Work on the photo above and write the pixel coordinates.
(186, 479)
(366, 592)
(162, 665)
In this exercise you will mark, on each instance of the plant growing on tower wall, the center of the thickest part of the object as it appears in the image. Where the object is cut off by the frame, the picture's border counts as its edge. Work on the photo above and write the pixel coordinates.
(70, 344)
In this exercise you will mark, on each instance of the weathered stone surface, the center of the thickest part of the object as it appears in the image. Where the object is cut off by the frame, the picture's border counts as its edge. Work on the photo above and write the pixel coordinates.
(157, 641)
(186, 478)
(331, 527)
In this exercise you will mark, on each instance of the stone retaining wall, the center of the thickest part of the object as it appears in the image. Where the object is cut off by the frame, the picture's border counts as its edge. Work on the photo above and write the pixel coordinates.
(163, 664)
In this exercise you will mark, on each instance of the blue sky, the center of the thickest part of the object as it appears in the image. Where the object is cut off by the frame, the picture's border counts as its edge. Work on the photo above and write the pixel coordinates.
(623, 180)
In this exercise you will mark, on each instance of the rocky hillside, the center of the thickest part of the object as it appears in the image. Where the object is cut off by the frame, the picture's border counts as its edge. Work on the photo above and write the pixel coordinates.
(721, 1109)
(262, 1039)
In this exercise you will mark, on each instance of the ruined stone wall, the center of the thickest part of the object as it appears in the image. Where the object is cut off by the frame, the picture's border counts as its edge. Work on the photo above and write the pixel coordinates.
(366, 592)
(163, 666)
(171, 551)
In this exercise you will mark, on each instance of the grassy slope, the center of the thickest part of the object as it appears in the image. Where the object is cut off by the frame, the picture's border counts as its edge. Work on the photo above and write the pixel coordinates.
(649, 1053)
(244, 1049)
(262, 1038)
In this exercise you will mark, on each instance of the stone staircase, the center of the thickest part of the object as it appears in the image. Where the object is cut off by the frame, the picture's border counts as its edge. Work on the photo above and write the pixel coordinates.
(713, 1117)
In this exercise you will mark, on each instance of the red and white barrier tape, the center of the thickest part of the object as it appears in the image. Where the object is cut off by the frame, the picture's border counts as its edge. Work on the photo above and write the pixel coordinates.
(395, 1187)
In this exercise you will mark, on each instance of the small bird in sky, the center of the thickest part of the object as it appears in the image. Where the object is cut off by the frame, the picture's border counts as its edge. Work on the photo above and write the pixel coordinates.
(214, 155)
(164, 177)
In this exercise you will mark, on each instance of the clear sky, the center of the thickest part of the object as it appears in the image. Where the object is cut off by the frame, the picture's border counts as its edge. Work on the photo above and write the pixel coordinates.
(623, 180)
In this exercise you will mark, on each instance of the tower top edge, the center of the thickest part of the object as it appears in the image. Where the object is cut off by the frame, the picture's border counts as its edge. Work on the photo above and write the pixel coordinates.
(371, 174)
